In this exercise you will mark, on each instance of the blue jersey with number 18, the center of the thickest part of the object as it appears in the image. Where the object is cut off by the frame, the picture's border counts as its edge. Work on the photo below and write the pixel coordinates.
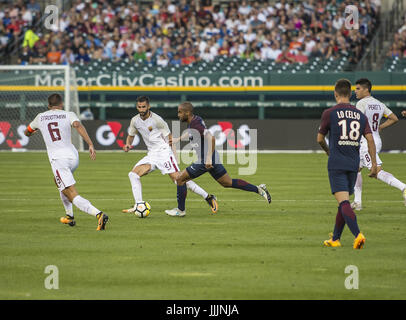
(345, 125)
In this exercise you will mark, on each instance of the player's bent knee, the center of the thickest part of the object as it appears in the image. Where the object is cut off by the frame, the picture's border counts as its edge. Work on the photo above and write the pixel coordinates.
(133, 174)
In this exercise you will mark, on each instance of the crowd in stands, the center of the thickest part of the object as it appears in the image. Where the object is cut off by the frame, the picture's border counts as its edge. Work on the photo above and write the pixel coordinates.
(168, 32)
(398, 47)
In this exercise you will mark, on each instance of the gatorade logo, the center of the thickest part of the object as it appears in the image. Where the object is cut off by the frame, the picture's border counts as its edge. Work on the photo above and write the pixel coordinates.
(14, 138)
(111, 133)
(224, 132)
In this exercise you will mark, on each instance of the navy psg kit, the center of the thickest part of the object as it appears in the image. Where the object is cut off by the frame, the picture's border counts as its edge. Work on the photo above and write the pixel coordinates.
(345, 125)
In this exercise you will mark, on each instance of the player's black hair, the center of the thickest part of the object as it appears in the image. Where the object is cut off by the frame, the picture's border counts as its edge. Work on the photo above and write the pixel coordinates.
(365, 83)
(143, 99)
(54, 100)
(343, 88)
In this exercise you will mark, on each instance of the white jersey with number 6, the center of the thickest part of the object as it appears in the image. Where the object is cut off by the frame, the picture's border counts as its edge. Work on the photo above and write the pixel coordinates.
(374, 111)
(56, 126)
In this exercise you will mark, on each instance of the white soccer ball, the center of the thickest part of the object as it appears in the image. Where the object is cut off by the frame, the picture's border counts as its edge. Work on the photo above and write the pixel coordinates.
(142, 209)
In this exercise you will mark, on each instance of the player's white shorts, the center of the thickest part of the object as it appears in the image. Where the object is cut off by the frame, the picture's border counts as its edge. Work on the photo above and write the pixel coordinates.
(63, 172)
(365, 158)
(164, 161)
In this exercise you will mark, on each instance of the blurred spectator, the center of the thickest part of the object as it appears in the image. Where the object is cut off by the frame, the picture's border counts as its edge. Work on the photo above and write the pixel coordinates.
(162, 61)
(82, 56)
(25, 56)
(54, 55)
(68, 57)
(207, 55)
(39, 55)
(300, 56)
(394, 51)
(34, 7)
(286, 56)
(184, 29)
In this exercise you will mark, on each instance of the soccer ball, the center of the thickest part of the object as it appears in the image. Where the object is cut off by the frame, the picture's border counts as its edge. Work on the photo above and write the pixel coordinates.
(142, 209)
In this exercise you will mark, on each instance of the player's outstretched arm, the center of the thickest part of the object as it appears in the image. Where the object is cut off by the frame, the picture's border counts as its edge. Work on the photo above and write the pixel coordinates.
(128, 143)
(181, 138)
(372, 153)
(83, 133)
(210, 143)
(29, 132)
(322, 142)
(392, 119)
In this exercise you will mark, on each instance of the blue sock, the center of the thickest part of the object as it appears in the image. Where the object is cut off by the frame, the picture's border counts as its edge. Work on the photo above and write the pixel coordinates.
(243, 185)
(181, 196)
(349, 217)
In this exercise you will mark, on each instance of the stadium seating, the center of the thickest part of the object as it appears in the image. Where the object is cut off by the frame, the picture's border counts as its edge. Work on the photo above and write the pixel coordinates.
(395, 64)
(220, 65)
(308, 19)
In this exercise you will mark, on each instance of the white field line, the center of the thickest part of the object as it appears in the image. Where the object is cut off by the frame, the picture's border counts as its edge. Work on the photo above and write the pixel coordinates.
(219, 151)
(199, 200)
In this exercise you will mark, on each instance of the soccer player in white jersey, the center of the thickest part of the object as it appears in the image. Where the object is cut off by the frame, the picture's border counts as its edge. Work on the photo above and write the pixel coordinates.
(55, 126)
(374, 110)
(158, 139)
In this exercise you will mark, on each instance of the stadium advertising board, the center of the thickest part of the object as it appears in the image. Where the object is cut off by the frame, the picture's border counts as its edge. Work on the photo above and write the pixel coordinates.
(278, 134)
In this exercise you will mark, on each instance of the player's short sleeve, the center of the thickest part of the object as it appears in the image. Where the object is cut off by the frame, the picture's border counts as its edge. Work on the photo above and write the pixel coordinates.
(199, 125)
(361, 105)
(72, 117)
(34, 125)
(325, 122)
(132, 131)
(386, 111)
(161, 125)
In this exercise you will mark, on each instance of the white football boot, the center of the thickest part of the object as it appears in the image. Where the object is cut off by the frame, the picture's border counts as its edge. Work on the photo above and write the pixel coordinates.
(263, 191)
(175, 212)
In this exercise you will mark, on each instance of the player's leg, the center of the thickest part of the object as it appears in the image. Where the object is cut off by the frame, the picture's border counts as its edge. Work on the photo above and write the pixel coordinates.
(335, 237)
(67, 204)
(191, 185)
(139, 170)
(342, 186)
(86, 206)
(222, 177)
(365, 162)
(68, 218)
(194, 187)
(181, 192)
(389, 179)
(357, 204)
(191, 172)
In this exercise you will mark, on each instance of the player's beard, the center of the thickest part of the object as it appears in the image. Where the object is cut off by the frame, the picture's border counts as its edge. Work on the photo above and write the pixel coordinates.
(143, 114)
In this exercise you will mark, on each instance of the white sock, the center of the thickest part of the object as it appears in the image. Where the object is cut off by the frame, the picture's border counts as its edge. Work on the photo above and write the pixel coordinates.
(358, 189)
(391, 180)
(67, 204)
(85, 205)
(136, 186)
(192, 186)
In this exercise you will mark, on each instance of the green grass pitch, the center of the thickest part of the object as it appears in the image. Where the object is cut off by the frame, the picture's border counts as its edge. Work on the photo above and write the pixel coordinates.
(249, 250)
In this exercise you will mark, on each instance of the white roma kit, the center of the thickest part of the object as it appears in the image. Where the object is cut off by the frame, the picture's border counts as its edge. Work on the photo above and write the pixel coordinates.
(154, 130)
(55, 126)
(374, 111)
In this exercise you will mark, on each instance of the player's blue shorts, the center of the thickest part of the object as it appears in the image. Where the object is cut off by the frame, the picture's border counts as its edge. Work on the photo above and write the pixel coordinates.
(342, 180)
(197, 169)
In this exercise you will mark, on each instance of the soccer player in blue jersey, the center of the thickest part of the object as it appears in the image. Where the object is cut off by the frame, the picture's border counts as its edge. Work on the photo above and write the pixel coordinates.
(203, 143)
(345, 125)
